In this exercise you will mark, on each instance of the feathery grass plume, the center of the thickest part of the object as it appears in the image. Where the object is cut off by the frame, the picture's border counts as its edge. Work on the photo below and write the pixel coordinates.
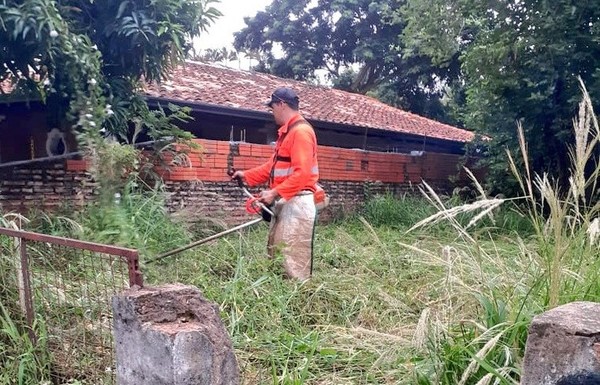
(587, 134)
(525, 155)
(483, 207)
(486, 380)
(478, 186)
(482, 195)
(482, 353)
(515, 171)
(419, 339)
(371, 231)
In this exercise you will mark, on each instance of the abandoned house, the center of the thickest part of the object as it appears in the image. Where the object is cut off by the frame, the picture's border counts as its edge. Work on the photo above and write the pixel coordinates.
(362, 143)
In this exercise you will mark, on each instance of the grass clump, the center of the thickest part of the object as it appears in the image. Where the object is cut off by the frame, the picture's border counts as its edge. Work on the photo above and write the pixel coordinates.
(25, 360)
(388, 210)
(136, 219)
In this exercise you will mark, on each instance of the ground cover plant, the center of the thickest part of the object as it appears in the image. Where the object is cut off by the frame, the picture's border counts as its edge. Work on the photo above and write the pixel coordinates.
(409, 291)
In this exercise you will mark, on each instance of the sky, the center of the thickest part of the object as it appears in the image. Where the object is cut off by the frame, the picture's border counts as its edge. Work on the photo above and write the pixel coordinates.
(220, 34)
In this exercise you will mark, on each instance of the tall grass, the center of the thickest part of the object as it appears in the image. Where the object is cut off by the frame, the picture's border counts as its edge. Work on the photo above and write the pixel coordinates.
(384, 306)
(498, 292)
(24, 361)
(138, 220)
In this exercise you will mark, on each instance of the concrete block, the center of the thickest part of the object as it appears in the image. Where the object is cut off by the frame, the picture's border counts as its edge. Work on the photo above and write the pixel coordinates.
(171, 335)
(563, 346)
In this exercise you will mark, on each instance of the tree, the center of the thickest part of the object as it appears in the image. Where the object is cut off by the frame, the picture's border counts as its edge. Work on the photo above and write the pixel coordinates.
(520, 62)
(212, 55)
(357, 42)
(86, 59)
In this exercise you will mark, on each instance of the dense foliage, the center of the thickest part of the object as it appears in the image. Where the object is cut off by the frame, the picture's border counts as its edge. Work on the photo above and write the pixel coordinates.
(520, 63)
(86, 58)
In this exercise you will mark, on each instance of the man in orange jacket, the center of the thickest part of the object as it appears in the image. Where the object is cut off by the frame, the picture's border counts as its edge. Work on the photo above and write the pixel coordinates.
(292, 173)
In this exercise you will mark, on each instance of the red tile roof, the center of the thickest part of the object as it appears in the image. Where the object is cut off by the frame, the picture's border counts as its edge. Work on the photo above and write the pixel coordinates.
(248, 90)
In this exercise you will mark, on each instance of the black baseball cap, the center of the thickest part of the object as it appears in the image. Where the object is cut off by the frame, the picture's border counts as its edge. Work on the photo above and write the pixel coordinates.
(286, 95)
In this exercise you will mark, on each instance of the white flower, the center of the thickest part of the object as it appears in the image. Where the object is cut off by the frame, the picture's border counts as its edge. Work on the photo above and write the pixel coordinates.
(89, 116)
(94, 47)
(93, 81)
(92, 124)
(53, 34)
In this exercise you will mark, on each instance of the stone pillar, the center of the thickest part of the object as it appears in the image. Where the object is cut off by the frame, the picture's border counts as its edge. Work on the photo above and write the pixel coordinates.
(171, 335)
(563, 346)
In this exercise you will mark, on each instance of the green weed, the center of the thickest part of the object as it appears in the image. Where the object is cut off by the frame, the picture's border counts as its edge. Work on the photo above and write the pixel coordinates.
(24, 361)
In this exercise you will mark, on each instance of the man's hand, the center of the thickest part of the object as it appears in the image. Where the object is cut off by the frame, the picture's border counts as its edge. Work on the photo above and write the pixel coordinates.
(238, 175)
(268, 196)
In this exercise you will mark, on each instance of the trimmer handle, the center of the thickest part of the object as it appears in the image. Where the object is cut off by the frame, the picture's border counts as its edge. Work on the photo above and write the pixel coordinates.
(266, 211)
(240, 182)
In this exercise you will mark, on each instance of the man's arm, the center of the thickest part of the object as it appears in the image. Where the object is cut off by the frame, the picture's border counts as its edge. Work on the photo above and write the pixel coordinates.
(258, 175)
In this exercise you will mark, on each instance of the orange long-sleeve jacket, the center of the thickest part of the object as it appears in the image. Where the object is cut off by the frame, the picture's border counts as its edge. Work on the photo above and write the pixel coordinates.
(293, 166)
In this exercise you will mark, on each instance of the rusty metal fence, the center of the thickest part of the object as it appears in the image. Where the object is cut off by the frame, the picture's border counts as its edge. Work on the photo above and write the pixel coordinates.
(68, 284)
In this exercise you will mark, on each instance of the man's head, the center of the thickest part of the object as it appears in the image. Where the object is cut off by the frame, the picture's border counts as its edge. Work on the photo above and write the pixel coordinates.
(284, 95)
(284, 104)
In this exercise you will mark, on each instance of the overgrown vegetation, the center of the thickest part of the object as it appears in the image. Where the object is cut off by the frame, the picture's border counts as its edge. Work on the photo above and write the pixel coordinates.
(88, 61)
(407, 292)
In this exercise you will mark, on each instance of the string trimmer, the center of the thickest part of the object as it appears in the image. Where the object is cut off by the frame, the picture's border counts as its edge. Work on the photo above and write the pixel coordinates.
(252, 205)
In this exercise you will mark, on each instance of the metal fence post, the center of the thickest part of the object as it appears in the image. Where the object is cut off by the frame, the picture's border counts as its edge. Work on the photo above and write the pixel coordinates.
(25, 293)
(135, 275)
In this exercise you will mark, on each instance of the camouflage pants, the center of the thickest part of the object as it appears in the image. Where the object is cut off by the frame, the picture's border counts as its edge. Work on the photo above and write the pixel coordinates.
(291, 234)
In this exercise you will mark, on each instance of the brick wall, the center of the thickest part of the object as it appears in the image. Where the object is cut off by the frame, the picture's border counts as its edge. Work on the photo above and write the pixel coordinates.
(44, 186)
(203, 188)
(210, 162)
(349, 176)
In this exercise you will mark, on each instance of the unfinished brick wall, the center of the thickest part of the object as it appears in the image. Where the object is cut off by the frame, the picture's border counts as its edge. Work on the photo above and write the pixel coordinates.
(210, 162)
(348, 175)
(203, 188)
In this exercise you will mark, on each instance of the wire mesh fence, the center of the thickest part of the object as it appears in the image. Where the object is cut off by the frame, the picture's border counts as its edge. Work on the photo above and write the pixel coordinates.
(69, 285)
